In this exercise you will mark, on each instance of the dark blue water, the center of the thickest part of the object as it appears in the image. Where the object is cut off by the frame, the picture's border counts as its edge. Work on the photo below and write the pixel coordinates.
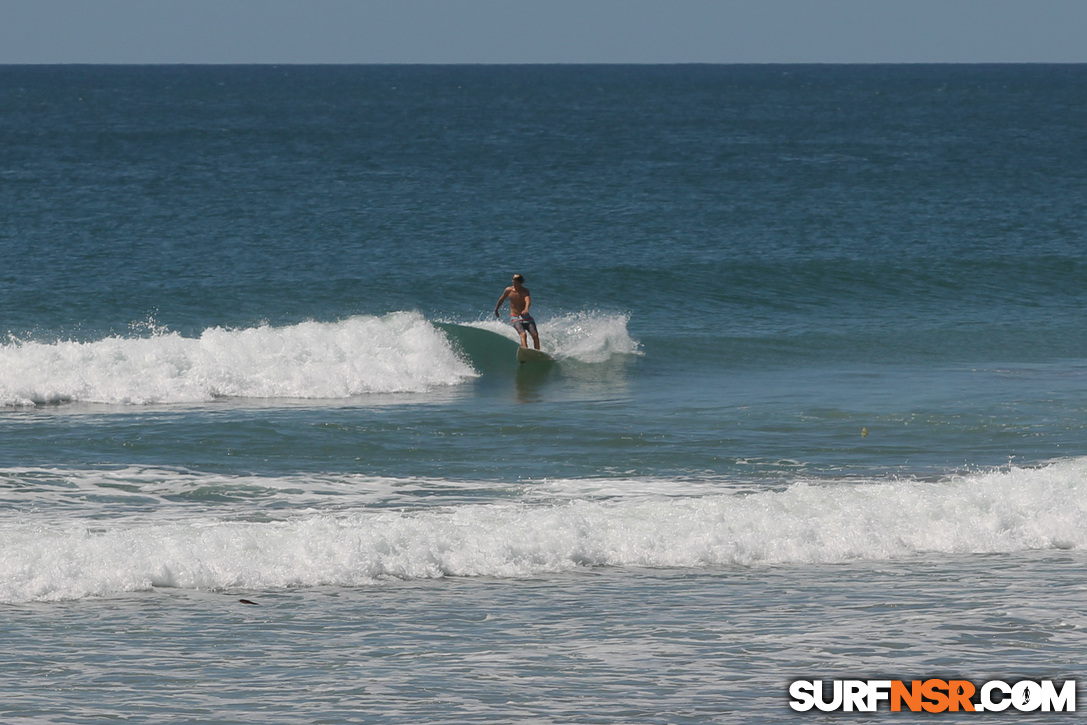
(810, 322)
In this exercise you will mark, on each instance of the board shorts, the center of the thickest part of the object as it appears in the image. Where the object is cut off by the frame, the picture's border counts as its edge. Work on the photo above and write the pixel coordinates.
(524, 324)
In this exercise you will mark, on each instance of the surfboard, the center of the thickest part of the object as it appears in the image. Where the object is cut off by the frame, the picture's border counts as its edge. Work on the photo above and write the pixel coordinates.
(528, 355)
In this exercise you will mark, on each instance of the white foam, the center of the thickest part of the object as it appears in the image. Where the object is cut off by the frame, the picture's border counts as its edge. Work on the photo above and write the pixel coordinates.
(46, 557)
(400, 352)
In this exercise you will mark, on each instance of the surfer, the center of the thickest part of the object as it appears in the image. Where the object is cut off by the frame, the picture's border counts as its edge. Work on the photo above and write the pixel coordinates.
(520, 301)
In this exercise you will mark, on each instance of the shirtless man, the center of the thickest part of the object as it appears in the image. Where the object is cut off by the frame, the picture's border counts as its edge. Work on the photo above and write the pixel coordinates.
(520, 301)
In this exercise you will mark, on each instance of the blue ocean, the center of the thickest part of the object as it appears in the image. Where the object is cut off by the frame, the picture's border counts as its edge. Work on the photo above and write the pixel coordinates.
(817, 410)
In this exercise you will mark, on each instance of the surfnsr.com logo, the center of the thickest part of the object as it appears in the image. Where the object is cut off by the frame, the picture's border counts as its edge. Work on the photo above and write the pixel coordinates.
(933, 695)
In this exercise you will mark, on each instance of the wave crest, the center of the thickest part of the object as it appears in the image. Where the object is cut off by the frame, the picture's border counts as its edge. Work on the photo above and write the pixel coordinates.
(400, 352)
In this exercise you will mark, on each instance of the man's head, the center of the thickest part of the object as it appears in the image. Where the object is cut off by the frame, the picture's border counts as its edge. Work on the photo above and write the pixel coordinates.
(518, 279)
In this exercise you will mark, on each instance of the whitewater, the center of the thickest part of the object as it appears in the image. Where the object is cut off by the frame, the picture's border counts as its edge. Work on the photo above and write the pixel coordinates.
(133, 530)
(401, 352)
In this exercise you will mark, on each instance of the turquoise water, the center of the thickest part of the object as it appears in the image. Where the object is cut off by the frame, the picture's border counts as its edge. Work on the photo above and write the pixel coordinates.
(817, 409)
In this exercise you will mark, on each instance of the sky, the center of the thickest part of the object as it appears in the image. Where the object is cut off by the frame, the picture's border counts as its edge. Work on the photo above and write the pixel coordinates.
(543, 31)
